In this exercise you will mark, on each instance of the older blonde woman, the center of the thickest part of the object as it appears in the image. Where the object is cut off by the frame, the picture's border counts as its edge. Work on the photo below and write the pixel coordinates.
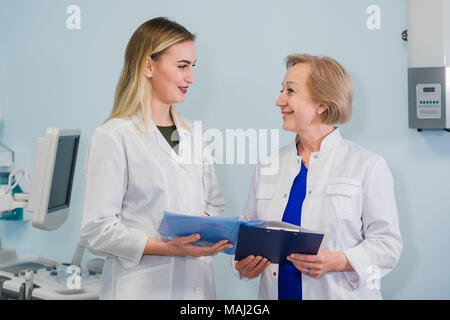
(327, 183)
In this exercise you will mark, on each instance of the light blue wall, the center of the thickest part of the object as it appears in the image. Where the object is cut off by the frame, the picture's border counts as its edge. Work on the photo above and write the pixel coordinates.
(52, 76)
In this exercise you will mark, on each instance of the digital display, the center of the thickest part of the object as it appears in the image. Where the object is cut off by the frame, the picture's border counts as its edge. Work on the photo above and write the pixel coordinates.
(63, 173)
(429, 89)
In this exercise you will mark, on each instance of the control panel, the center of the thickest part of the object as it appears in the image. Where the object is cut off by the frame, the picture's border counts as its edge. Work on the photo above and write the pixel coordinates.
(428, 93)
(428, 101)
(34, 280)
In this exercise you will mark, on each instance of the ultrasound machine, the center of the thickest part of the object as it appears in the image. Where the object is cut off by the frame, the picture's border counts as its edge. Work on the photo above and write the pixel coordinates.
(36, 278)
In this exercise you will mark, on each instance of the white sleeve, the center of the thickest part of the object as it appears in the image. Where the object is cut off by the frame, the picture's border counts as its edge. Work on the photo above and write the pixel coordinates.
(106, 182)
(250, 205)
(214, 198)
(380, 250)
(248, 214)
(215, 201)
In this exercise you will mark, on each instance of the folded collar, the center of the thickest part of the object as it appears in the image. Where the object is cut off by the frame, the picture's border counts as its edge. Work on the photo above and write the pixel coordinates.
(327, 144)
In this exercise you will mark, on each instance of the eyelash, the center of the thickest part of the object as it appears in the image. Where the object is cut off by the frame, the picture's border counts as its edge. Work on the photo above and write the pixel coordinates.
(185, 66)
(289, 90)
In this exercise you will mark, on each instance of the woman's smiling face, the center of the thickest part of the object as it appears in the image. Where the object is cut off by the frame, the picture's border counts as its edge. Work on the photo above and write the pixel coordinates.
(299, 110)
(171, 73)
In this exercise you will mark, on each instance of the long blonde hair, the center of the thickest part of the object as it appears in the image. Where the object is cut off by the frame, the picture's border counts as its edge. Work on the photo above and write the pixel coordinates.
(134, 91)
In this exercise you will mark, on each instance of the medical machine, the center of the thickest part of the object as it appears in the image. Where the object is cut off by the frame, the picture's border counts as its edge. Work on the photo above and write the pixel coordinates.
(429, 64)
(6, 166)
(44, 279)
(49, 202)
(51, 186)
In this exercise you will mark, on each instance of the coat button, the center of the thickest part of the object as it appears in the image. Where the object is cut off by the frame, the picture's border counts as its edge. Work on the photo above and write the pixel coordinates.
(198, 290)
(285, 195)
(309, 192)
(274, 274)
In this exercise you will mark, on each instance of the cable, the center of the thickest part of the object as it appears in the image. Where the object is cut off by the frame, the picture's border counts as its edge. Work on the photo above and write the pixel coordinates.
(24, 173)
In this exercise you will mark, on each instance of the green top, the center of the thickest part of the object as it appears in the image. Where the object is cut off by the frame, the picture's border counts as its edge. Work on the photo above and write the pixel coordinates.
(170, 133)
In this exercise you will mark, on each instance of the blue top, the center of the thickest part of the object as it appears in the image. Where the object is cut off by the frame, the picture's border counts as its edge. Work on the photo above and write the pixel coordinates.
(289, 277)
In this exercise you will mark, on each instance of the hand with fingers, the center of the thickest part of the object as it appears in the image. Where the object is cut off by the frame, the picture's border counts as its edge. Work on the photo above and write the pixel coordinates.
(251, 266)
(183, 246)
(325, 261)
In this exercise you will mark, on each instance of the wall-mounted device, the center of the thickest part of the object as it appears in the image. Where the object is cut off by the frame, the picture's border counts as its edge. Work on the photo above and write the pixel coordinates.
(429, 64)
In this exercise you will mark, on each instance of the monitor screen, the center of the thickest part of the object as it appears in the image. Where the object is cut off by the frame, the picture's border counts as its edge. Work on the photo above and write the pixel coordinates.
(61, 186)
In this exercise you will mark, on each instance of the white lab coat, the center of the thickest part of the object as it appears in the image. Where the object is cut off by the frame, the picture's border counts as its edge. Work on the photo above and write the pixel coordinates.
(132, 177)
(350, 196)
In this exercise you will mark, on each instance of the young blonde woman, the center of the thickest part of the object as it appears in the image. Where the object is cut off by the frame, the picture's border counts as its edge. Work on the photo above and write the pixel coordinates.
(141, 163)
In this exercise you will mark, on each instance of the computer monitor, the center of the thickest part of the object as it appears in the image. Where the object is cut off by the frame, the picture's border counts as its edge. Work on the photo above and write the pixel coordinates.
(52, 177)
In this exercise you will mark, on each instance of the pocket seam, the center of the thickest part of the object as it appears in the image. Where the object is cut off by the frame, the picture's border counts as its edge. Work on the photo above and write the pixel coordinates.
(264, 192)
(343, 187)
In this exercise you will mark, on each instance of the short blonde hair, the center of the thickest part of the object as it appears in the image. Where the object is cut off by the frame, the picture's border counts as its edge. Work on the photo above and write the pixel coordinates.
(329, 84)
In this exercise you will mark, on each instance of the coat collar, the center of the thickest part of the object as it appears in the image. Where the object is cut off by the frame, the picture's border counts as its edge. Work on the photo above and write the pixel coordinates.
(327, 144)
(154, 132)
(151, 126)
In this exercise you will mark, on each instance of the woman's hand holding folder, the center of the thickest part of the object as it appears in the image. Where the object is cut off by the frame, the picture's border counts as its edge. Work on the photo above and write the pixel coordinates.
(251, 266)
(182, 246)
(317, 265)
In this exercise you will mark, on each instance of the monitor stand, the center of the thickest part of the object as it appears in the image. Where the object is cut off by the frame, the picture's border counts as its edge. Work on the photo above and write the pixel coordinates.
(7, 255)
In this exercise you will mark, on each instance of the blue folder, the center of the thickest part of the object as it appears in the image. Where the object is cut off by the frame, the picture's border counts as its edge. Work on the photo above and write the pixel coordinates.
(275, 245)
(211, 229)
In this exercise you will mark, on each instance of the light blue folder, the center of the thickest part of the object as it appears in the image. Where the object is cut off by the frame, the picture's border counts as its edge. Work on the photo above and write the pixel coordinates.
(211, 229)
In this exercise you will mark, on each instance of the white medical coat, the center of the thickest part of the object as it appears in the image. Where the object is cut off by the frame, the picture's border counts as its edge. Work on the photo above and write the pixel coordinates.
(132, 177)
(350, 197)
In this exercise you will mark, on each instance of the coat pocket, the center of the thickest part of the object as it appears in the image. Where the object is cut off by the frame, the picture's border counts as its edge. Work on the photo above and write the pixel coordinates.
(148, 282)
(265, 192)
(271, 201)
(344, 195)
